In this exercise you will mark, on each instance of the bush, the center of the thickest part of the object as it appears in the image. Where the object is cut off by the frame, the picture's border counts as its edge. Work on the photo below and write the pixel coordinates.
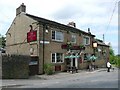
(48, 69)
(118, 61)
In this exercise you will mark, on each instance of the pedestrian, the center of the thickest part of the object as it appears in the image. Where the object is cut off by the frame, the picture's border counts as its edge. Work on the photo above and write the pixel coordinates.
(108, 66)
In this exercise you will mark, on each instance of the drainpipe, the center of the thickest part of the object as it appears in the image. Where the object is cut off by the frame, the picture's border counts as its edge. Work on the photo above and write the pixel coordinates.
(43, 45)
(39, 45)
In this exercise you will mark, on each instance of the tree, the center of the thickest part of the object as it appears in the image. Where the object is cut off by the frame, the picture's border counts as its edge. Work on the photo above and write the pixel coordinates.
(2, 41)
(112, 55)
(114, 59)
(111, 51)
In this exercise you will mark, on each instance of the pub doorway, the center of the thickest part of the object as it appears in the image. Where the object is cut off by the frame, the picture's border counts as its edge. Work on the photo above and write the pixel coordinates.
(33, 65)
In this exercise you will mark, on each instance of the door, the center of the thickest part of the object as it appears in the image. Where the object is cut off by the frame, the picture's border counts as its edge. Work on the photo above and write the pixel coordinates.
(74, 62)
(33, 65)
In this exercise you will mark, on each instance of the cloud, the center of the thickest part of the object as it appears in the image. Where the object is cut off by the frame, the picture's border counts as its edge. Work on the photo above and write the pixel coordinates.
(93, 14)
(66, 12)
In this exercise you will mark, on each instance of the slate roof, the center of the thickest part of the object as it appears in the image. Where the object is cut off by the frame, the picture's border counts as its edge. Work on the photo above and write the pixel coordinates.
(100, 42)
(53, 23)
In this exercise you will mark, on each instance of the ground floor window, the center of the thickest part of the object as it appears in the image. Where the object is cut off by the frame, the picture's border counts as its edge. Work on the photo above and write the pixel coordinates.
(57, 57)
(86, 56)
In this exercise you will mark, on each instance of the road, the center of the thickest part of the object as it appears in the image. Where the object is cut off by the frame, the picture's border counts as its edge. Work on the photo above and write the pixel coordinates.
(95, 79)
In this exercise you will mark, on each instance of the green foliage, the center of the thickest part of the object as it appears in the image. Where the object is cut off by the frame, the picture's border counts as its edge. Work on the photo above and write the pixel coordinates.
(81, 46)
(2, 41)
(48, 69)
(111, 51)
(117, 58)
(112, 56)
(112, 59)
(69, 45)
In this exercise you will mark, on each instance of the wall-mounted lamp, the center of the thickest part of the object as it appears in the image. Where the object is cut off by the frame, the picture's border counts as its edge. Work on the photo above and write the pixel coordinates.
(47, 29)
(94, 44)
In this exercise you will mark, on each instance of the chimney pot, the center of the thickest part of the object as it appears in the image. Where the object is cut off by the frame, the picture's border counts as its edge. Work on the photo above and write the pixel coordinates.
(71, 24)
(89, 30)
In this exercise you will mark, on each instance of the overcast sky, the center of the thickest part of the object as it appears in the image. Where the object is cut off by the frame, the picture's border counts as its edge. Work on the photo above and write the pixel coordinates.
(93, 14)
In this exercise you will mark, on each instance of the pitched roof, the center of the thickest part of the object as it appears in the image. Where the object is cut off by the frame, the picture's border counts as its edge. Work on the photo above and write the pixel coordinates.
(100, 42)
(50, 22)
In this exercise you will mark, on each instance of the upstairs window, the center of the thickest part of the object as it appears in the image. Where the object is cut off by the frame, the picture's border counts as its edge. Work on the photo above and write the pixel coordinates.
(86, 56)
(86, 40)
(57, 36)
(73, 38)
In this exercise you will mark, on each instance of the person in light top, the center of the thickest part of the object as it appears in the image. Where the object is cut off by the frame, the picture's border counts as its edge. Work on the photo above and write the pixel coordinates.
(108, 66)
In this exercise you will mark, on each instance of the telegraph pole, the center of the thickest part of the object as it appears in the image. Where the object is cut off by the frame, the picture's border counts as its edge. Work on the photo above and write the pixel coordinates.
(103, 38)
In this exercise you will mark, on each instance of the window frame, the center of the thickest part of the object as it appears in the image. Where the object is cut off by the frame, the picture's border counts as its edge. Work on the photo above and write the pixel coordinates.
(75, 38)
(87, 55)
(62, 38)
(84, 40)
(56, 58)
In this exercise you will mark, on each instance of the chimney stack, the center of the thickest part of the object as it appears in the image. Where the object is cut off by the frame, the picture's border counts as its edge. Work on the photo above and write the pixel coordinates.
(71, 24)
(21, 8)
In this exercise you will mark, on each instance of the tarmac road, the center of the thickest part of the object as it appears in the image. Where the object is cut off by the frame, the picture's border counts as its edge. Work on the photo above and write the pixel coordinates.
(96, 79)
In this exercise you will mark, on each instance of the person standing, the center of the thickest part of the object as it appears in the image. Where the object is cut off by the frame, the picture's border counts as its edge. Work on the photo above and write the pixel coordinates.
(108, 66)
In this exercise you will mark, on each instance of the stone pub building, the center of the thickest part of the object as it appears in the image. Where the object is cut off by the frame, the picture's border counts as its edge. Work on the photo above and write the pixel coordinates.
(48, 41)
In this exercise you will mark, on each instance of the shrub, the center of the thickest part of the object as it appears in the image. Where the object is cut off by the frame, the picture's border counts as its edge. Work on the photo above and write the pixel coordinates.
(48, 69)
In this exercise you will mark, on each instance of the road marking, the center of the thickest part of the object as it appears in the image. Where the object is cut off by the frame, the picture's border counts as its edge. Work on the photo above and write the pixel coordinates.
(44, 83)
(51, 83)
(57, 82)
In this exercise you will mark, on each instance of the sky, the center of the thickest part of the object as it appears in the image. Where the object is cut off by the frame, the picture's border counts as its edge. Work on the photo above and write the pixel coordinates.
(101, 16)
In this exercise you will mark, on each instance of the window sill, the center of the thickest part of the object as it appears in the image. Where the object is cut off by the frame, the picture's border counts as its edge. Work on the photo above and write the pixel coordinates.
(57, 41)
(57, 62)
(87, 44)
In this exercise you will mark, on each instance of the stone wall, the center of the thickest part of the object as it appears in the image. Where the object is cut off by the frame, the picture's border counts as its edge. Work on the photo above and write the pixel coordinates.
(15, 66)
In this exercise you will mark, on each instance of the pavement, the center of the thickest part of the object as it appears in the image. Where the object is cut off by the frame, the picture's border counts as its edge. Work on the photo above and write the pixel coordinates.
(6, 83)
(64, 74)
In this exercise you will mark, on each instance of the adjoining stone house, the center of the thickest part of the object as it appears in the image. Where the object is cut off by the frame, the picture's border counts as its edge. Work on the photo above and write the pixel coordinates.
(47, 41)
(102, 53)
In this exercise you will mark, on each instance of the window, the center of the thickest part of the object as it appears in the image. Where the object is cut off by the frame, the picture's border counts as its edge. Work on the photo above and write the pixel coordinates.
(57, 36)
(57, 57)
(53, 34)
(53, 57)
(86, 56)
(73, 39)
(86, 40)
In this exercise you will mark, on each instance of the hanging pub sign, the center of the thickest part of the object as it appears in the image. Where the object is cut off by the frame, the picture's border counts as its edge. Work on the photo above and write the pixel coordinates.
(31, 36)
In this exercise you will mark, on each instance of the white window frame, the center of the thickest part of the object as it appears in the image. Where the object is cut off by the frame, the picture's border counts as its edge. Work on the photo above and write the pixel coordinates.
(62, 38)
(84, 40)
(56, 58)
(75, 38)
(87, 55)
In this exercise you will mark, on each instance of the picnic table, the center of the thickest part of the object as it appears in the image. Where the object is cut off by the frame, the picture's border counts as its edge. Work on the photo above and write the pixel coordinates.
(72, 69)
